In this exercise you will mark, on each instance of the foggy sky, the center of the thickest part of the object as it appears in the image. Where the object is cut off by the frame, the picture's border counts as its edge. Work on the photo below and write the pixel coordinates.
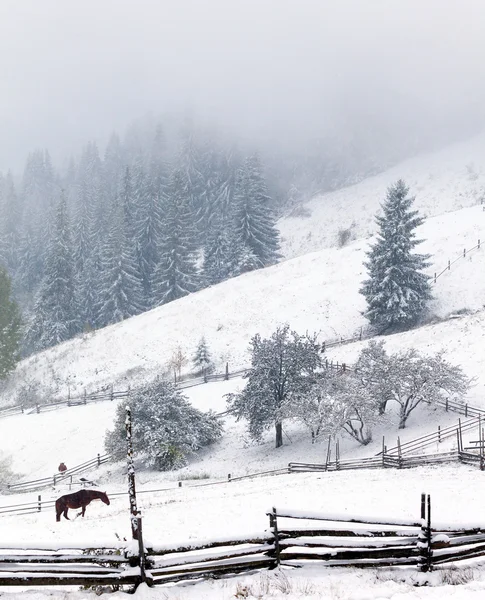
(74, 70)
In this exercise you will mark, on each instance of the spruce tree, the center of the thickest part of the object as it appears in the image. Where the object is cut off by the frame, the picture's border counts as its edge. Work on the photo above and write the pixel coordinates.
(254, 222)
(55, 312)
(10, 327)
(121, 294)
(397, 292)
(202, 359)
(218, 254)
(176, 274)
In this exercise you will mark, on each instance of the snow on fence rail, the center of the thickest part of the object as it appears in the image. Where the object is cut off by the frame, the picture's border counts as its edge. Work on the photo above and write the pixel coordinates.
(332, 539)
(64, 477)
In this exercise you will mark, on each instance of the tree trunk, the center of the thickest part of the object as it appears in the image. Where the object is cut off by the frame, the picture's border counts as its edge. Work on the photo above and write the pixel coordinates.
(279, 434)
(402, 419)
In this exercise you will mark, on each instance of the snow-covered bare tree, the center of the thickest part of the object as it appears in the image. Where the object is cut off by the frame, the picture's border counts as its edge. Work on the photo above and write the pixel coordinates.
(397, 292)
(410, 378)
(282, 367)
(166, 429)
(373, 369)
(334, 402)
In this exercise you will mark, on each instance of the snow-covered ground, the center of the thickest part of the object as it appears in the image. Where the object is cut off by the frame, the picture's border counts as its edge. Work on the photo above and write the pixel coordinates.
(317, 291)
(443, 181)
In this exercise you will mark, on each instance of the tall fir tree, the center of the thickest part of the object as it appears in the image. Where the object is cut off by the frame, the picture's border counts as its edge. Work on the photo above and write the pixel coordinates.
(176, 274)
(397, 292)
(219, 262)
(254, 221)
(10, 326)
(148, 223)
(121, 294)
(55, 314)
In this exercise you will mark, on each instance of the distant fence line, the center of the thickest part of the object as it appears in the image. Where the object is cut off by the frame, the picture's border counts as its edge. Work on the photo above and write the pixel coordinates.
(184, 382)
(399, 457)
(333, 539)
(462, 255)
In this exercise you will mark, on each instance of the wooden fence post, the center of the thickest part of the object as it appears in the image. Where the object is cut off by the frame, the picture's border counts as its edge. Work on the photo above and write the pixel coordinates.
(85, 398)
(273, 524)
(464, 252)
(449, 265)
(131, 476)
(478, 245)
(429, 553)
(227, 372)
(337, 456)
(142, 558)
(99, 459)
(439, 433)
(37, 407)
(466, 410)
(435, 277)
(329, 450)
(39, 503)
(424, 537)
(446, 405)
(228, 477)
(399, 455)
(383, 451)
(111, 395)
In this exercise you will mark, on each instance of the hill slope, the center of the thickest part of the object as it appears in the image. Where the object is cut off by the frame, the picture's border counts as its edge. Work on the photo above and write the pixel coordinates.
(443, 181)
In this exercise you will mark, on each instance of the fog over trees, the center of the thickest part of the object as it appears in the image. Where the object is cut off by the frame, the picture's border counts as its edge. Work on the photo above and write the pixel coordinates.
(150, 147)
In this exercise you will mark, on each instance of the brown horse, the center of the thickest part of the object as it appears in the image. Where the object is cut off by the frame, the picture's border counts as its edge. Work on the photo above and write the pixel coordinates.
(78, 500)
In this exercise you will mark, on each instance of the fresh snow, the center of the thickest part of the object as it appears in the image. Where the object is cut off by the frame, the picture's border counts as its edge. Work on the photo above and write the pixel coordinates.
(317, 291)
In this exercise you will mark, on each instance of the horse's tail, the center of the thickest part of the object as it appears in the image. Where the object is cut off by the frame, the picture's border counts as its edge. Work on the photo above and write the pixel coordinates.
(59, 508)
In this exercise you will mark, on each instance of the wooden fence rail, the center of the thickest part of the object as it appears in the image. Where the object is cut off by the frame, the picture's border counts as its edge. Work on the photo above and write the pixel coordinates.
(64, 477)
(334, 540)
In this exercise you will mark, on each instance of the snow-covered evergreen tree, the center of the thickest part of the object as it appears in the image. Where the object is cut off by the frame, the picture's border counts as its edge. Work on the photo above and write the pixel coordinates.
(219, 261)
(121, 294)
(166, 429)
(254, 221)
(10, 325)
(176, 274)
(397, 292)
(55, 313)
(202, 360)
(148, 228)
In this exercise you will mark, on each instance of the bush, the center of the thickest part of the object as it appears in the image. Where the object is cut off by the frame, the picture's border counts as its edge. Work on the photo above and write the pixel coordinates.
(166, 429)
(344, 236)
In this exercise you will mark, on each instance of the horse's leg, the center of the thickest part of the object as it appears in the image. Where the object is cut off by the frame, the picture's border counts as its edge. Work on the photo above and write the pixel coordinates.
(83, 510)
(65, 513)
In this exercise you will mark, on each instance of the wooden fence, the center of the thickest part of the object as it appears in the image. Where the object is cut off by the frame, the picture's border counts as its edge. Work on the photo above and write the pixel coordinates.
(330, 539)
(450, 262)
(64, 477)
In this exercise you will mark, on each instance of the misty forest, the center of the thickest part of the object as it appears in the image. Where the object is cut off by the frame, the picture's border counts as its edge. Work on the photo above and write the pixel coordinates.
(148, 221)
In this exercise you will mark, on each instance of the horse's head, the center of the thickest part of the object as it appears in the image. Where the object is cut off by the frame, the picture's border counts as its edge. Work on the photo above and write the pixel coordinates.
(104, 497)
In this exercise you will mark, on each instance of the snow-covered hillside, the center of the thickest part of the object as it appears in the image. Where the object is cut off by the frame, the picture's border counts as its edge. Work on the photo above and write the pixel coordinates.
(443, 181)
(316, 292)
